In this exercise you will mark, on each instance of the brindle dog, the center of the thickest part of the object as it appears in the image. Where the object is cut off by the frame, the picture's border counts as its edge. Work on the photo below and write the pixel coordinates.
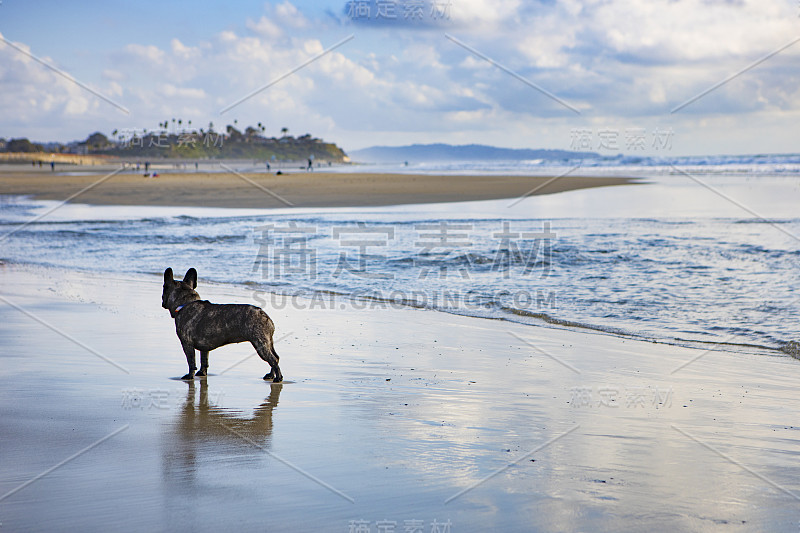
(204, 326)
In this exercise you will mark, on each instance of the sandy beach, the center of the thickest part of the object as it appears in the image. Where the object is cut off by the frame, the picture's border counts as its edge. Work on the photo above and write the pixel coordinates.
(532, 267)
(390, 418)
(298, 189)
(387, 416)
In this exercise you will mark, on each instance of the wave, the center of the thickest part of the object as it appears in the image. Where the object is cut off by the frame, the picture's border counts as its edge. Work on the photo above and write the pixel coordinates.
(724, 164)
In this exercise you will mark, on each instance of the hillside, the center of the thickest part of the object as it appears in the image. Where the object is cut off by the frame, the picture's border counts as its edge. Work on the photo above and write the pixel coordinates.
(467, 152)
(186, 144)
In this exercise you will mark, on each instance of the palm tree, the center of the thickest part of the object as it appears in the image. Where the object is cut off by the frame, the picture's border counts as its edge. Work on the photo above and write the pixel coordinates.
(284, 130)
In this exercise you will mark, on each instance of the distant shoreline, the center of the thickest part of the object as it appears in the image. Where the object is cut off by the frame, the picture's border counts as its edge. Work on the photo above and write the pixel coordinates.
(299, 189)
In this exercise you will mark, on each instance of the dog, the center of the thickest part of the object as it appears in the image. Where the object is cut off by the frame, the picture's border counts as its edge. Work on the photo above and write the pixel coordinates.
(204, 326)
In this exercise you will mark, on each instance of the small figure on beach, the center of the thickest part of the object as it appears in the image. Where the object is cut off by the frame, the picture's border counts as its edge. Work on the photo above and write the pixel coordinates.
(310, 163)
(147, 166)
(52, 166)
(267, 166)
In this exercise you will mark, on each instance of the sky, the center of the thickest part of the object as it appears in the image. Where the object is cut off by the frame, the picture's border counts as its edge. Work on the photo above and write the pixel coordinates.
(649, 77)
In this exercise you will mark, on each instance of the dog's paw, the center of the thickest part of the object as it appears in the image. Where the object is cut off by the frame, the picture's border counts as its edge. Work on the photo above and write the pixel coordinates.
(200, 374)
(188, 377)
(277, 379)
(269, 376)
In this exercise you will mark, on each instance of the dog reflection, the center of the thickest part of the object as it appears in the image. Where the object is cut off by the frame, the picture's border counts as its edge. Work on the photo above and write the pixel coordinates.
(204, 430)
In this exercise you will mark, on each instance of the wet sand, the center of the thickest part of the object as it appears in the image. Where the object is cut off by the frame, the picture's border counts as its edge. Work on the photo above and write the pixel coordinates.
(299, 189)
(410, 417)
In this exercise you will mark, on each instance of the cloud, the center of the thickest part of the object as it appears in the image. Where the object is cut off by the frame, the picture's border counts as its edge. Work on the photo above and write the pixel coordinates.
(621, 60)
(265, 28)
(288, 15)
(169, 90)
(150, 54)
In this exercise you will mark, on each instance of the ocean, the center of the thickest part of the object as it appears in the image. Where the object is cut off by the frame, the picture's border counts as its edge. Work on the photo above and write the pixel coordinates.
(700, 252)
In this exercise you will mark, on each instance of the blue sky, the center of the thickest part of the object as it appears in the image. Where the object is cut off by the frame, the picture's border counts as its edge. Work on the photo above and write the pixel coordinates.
(624, 66)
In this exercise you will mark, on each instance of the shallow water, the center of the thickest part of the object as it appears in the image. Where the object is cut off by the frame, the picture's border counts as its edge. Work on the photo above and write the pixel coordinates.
(687, 259)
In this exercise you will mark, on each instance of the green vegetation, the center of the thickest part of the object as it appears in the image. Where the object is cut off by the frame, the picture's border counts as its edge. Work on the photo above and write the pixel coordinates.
(172, 140)
(20, 145)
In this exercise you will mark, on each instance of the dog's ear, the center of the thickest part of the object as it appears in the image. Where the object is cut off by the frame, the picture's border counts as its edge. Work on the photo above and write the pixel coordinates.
(191, 278)
(168, 275)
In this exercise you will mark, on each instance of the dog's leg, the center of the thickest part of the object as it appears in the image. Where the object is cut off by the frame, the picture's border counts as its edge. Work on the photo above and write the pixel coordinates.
(188, 349)
(203, 364)
(267, 352)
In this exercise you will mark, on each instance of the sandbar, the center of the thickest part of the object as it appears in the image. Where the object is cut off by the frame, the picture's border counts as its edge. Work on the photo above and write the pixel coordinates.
(291, 189)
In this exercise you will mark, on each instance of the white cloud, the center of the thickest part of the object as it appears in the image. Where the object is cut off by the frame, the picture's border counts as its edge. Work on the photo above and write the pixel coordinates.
(617, 61)
(288, 14)
(169, 90)
(483, 12)
(265, 28)
(186, 53)
(149, 53)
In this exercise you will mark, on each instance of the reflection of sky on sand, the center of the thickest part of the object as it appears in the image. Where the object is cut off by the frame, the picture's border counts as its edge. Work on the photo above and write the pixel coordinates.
(399, 441)
(624, 467)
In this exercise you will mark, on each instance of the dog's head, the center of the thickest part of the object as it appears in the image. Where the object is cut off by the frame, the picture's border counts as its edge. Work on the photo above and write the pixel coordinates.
(177, 293)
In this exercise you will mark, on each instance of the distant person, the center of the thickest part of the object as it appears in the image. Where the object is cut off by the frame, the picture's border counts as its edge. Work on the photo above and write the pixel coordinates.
(310, 164)
(147, 166)
(195, 166)
(268, 168)
(40, 164)
(52, 166)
